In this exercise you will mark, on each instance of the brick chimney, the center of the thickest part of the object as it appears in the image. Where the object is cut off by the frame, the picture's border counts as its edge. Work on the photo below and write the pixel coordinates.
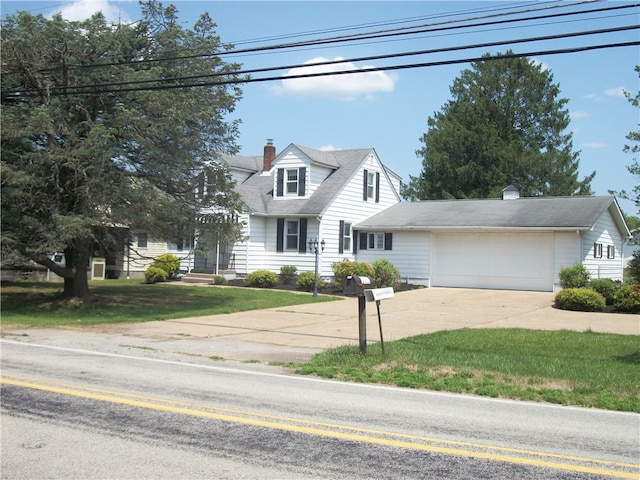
(269, 155)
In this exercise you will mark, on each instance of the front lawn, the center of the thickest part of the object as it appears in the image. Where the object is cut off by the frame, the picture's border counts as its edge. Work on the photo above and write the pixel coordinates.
(40, 303)
(571, 368)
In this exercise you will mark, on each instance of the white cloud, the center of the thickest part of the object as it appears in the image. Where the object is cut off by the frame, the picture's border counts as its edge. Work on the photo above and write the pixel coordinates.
(328, 148)
(594, 145)
(344, 87)
(541, 64)
(615, 92)
(83, 9)
(578, 115)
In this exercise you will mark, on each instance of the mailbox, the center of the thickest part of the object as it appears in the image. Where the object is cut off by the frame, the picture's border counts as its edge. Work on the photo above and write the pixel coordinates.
(355, 286)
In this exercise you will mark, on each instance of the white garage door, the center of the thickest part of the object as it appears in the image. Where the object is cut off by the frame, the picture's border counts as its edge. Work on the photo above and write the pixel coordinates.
(510, 262)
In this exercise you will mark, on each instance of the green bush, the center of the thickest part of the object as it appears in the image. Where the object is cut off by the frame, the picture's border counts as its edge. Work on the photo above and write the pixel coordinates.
(345, 268)
(261, 279)
(220, 280)
(576, 276)
(627, 298)
(580, 300)
(155, 274)
(288, 274)
(605, 287)
(305, 281)
(385, 273)
(169, 263)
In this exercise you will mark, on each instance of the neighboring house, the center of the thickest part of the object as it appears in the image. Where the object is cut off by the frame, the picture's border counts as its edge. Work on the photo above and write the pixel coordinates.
(511, 243)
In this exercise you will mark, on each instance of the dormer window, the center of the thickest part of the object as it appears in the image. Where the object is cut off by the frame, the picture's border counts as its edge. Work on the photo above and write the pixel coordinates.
(291, 182)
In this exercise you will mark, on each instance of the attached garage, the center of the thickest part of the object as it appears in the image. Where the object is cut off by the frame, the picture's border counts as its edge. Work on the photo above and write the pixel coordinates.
(510, 244)
(488, 260)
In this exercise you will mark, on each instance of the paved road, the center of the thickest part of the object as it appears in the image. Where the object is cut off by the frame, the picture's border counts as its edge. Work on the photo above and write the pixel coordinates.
(68, 412)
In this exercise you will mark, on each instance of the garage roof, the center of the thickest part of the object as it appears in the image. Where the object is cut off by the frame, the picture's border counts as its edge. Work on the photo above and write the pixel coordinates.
(543, 213)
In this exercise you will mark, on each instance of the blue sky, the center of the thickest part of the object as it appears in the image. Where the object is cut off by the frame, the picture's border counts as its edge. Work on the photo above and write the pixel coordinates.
(389, 110)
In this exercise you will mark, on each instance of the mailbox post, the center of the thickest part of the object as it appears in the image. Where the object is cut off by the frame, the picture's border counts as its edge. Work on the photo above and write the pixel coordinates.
(356, 286)
(375, 295)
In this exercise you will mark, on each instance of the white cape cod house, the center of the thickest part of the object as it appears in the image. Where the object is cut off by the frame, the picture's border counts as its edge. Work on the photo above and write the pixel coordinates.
(349, 199)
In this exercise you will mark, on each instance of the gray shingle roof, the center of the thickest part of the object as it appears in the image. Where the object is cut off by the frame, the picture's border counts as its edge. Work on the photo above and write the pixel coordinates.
(579, 212)
(257, 190)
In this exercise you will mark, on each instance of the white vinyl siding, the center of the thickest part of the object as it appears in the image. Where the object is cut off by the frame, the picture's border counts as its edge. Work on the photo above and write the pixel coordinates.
(410, 255)
(604, 233)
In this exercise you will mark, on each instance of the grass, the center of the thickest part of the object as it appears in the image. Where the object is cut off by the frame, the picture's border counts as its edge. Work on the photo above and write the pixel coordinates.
(571, 368)
(40, 304)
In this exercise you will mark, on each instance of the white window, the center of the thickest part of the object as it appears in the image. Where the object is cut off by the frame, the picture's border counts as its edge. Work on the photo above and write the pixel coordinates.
(611, 251)
(346, 237)
(371, 184)
(597, 250)
(293, 230)
(292, 181)
(376, 241)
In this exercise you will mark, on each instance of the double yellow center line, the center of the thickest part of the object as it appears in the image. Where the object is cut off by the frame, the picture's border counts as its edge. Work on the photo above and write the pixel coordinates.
(341, 432)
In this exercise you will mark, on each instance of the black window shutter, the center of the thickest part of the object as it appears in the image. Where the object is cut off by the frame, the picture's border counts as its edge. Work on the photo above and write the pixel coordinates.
(280, 235)
(355, 243)
(302, 242)
(280, 186)
(302, 173)
(363, 241)
(388, 241)
(341, 237)
(377, 187)
(364, 186)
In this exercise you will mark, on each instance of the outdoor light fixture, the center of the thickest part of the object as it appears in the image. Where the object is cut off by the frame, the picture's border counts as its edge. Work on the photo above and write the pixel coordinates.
(316, 248)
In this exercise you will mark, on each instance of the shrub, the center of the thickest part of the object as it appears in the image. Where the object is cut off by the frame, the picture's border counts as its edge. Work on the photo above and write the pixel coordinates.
(580, 300)
(155, 274)
(169, 263)
(305, 281)
(605, 287)
(261, 279)
(627, 298)
(343, 269)
(220, 280)
(574, 277)
(288, 274)
(385, 273)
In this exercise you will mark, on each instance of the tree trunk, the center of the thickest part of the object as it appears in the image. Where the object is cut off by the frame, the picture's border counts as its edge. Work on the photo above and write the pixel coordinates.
(77, 260)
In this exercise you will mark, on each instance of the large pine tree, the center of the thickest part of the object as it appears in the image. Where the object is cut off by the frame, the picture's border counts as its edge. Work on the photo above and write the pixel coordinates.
(504, 125)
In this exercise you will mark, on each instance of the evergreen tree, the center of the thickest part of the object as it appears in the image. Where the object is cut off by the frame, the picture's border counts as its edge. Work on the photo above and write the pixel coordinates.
(504, 125)
(89, 156)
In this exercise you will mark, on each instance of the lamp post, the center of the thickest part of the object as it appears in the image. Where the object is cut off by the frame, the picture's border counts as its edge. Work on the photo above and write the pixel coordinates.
(316, 249)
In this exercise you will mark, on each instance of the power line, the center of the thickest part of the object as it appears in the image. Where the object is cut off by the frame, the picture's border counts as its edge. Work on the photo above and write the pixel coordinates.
(95, 88)
(416, 29)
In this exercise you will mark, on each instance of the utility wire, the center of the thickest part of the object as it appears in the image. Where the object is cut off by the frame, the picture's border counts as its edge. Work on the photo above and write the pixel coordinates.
(94, 88)
(419, 29)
